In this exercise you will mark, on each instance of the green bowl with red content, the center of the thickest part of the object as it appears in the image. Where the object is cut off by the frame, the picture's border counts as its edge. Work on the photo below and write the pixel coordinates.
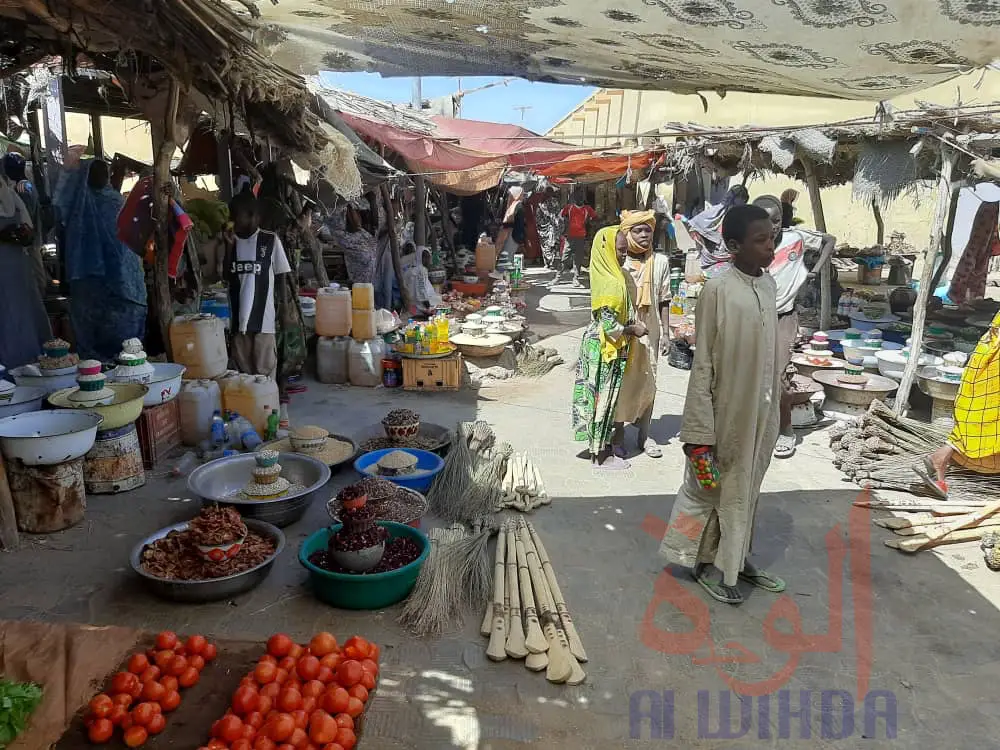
(390, 581)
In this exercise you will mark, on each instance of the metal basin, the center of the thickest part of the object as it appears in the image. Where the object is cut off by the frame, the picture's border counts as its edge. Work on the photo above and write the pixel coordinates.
(876, 387)
(165, 383)
(46, 438)
(218, 481)
(124, 410)
(25, 399)
(31, 377)
(212, 589)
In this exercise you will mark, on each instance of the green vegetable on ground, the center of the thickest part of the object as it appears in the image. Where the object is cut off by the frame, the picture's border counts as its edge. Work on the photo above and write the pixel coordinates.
(17, 701)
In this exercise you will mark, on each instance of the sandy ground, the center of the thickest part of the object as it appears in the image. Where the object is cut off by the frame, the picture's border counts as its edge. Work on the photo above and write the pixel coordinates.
(912, 633)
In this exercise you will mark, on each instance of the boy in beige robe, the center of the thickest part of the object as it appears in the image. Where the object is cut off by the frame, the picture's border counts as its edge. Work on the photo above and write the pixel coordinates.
(732, 406)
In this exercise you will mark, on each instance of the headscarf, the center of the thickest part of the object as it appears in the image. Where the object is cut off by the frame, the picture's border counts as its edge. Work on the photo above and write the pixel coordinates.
(608, 289)
(644, 284)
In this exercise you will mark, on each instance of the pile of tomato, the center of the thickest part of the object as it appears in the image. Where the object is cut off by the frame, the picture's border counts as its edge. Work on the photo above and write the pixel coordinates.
(140, 698)
(300, 697)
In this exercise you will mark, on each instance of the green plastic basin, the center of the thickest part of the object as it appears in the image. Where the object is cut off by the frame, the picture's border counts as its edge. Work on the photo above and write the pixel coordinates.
(372, 591)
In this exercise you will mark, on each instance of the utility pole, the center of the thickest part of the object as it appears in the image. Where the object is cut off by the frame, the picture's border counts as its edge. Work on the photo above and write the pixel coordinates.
(417, 96)
(522, 109)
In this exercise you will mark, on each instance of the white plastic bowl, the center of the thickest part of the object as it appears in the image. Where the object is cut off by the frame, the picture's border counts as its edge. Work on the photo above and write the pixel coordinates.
(45, 438)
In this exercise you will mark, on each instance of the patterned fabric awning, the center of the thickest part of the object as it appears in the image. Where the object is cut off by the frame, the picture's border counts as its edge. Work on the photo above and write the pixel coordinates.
(855, 49)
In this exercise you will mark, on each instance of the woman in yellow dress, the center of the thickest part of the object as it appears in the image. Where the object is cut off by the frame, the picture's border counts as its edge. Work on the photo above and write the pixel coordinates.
(973, 443)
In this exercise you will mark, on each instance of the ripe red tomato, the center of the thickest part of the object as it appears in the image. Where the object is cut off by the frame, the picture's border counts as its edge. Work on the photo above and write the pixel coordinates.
(197, 661)
(170, 701)
(122, 699)
(100, 731)
(322, 727)
(157, 724)
(153, 691)
(170, 683)
(163, 658)
(279, 645)
(265, 673)
(123, 682)
(308, 667)
(118, 714)
(349, 673)
(245, 701)
(332, 661)
(195, 644)
(177, 666)
(344, 720)
(230, 728)
(354, 707)
(166, 639)
(142, 714)
(265, 703)
(335, 700)
(101, 706)
(322, 644)
(345, 738)
(137, 663)
(152, 672)
(189, 677)
(325, 675)
(289, 700)
(296, 651)
(241, 744)
(264, 743)
(135, 736)
(370, 666)
(286, 663)
(368, 680)
(280, 728)
(360, 692)
(310, 703)
(280, 675)
(254, 719)
(209, 652)
(357, 647)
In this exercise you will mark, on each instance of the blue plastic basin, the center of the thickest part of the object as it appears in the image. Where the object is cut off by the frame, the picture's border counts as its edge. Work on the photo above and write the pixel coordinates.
(428, 464)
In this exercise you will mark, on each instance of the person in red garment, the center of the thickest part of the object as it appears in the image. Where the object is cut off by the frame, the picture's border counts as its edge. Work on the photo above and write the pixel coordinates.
(577, 216)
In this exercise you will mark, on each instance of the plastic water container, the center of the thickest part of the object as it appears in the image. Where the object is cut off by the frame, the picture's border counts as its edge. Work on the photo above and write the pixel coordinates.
(363, 296)
(199, 343)
(253, 396)
(331, 359)
(486, 256)
(333, 312)
(364, 362)
(364, 324)
(198, 400)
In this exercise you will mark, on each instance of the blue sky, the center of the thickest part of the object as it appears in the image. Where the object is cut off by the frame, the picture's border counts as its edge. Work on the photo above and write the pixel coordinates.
(549, 102)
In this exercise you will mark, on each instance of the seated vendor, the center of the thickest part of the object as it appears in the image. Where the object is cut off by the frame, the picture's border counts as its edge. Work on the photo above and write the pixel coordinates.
(422, 295)
(973, 443)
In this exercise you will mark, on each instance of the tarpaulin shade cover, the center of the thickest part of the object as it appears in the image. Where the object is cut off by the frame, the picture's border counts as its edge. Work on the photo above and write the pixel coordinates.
(523, 148)
(855, 49)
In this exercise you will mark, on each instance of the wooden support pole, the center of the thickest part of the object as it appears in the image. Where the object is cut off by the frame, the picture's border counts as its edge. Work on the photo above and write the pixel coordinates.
(420, 211)
(879, 224)
(98, 133)
(816, 203)
(397, 267)
(948, 159)
(162, 188)
(8, 519)
(439, 198)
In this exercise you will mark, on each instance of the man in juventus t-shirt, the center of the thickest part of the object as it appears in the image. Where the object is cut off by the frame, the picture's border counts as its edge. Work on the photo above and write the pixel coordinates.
(253, 258)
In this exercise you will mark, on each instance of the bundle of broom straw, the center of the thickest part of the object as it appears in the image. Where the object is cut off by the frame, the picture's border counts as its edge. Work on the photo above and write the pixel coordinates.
(527, 617)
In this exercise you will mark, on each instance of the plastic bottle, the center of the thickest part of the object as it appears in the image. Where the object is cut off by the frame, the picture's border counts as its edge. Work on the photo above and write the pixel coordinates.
(248, 436)
(198, 400)
(218, 430)
(444, 335)
(185, 465)
(273, 421)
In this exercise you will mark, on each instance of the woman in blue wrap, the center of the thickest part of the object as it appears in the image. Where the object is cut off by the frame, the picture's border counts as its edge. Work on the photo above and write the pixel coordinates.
(107, 286)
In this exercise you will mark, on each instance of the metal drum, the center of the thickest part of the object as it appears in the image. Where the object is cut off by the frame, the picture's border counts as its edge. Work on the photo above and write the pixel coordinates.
(47, 498)
(114, 464)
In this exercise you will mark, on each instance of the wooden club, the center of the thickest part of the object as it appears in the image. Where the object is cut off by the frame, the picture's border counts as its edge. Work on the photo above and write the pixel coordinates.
(498, 630)
(575, 644)
(534, 640)
(560, 666)
(515, 626)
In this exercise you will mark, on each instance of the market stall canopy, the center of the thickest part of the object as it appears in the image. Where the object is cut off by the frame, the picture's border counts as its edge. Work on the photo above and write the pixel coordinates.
(463, 156)
(853, 49)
